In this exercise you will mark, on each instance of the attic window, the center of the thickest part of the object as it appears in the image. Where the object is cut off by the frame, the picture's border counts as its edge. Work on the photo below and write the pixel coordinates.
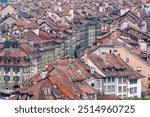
(114, 50)
(7, 60)
(127, 60)
(16, 60)
(27, 60)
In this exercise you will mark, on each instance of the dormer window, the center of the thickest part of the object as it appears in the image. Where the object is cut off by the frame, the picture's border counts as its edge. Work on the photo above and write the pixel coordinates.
(7, 60)
(16, 60)
(27, 60)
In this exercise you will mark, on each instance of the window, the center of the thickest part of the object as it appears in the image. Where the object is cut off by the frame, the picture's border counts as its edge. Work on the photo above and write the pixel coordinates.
(104, 80)
(92, 84)
(114, 50)
(138, 69)
(149, 85)
(124, 80)
(127, 60)
(110, 51)
(133, 90)
(6, 78)
(120, 80)
(149, 77)
(104, 88)
(7, 60)
(109, 88)
(124, 89)
(109, 80)
(113, 79)
(113, 88)
(120, 89)
(0, 59)
(27, 60)
(134, 81)
(124, 96)
(16, 60)
(6, 69)
(16, 70)
(97, 84)
(135, 96)
(16, 78)
(120, 96)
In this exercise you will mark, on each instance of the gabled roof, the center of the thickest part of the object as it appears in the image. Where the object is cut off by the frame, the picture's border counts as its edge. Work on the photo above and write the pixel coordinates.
(8, 5)
(6, 17)
(113, 66)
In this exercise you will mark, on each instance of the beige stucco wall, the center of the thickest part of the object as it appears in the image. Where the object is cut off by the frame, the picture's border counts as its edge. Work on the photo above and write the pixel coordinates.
(135, 62)
(8, 9)
(8, 21)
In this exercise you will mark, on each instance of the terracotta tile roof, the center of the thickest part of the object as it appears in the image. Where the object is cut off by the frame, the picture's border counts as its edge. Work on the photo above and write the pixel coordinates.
(113, 66)
(25, 25)
(107, 97)
(9, 52)
(31, 36)
(63, 81)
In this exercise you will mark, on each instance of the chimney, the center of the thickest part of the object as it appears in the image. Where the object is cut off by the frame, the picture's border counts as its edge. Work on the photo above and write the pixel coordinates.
(55, 86)
(70, 64)
(104, 57)
(49, 91)
(138, 13)
(85, 57)
(45, 91)
(79, 72)
(43, 72)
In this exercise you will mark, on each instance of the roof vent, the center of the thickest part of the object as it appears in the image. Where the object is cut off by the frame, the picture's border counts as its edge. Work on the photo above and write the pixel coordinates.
(55, 86)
